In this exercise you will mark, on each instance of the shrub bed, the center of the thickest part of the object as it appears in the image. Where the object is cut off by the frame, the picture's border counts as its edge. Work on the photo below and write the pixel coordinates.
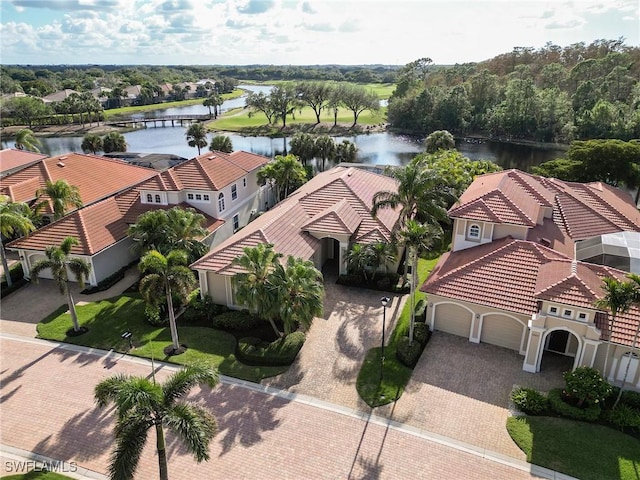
(409, 353)
(623, 417)
(106, 283)
(558, 402)
(17, 277)
(421, 333)
(530, 401)
(384, 282)
(283, 351)
(236, 320)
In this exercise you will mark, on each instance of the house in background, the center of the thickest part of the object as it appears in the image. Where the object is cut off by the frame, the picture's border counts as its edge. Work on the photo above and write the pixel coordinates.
(512, 278)
(12, 160)
(319, 222)
(223, 187)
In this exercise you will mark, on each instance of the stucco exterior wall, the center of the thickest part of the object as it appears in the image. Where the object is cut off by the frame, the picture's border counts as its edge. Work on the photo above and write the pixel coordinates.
(112, 259)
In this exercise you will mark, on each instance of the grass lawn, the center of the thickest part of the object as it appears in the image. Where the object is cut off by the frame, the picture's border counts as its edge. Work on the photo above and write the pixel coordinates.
(395, 375)
(582, 450)
(37, 475)
(108, 319)
(122, 111)
(239, 119)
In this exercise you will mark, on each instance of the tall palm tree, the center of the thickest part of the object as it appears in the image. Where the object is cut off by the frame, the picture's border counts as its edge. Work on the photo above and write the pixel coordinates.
(197, 136)
(303, 146)
(91, 143)
(285, 173)
(251, 285)
(166, 276)
(325, 148)
(62, 195)
(221, 143)
(298, 291)
(142, 404)
(358, 258)
(439, 140)
(213, 100)
(59, 261)
(381, 253)
(417, 237)
(26, 140)
(114, 142)
(617, 299)
(15, 217)
(635, 283)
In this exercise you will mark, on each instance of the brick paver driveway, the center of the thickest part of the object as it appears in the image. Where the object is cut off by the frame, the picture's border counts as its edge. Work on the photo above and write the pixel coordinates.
(260, 435)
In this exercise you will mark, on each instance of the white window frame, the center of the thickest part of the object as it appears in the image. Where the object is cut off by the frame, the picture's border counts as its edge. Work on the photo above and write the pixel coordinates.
(221, 205)
(553, 310)
(158, 199)
(582, 316)
(199, 197)
(190, 196)
(205, 197)
(234, 192)
(565, 314)
(149, 198)
(236, 222)
(472, 236)
(244, 182)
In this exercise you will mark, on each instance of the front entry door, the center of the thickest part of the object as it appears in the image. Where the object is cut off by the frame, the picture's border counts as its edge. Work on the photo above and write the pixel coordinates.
(558, 341)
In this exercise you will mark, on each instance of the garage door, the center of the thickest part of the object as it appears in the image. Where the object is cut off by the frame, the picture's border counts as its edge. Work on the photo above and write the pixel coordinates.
(453, 319)
(502, 331)
(37, 257)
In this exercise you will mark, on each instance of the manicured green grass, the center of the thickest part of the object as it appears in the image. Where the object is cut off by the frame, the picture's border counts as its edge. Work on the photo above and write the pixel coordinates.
(108, 319)
(37, 475)
(395, 375)
(583, 450)
(238, 119)
(124, 111)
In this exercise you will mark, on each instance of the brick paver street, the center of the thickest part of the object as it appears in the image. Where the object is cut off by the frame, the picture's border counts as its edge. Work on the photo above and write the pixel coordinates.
(260, 435)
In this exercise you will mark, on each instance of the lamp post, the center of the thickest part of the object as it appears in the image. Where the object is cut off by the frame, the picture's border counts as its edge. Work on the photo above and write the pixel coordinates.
(384, 301)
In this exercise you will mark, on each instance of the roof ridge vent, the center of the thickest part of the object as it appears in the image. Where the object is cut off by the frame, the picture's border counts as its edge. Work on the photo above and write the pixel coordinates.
(574, 267)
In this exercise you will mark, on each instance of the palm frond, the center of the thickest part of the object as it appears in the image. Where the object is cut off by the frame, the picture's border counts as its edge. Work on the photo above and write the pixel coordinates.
(195, 426)
(131, 437)
(181, 382)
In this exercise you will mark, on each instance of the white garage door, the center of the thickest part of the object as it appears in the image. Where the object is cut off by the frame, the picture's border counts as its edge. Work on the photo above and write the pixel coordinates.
(502, 331)
(35, 258)
(453, 319)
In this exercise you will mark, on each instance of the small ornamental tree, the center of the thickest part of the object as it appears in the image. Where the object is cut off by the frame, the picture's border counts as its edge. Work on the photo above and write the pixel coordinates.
(587, 386)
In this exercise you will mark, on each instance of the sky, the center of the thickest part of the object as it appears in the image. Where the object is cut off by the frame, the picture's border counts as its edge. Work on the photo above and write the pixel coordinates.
(299, 32)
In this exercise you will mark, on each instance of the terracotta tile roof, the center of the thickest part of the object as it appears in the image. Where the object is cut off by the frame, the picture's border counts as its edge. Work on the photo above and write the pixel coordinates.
(11, 158)
(513, 275)
(214, 170)
(99, 225)
(579, 210)
(96, 177)
(335, 199)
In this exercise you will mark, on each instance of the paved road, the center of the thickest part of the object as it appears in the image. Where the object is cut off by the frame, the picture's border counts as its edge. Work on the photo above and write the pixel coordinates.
(47, 407)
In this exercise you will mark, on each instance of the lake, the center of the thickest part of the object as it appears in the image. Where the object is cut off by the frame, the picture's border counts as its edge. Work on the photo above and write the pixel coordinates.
(383, 148)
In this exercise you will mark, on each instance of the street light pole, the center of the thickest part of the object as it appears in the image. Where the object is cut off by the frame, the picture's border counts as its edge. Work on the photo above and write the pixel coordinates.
(385, 302)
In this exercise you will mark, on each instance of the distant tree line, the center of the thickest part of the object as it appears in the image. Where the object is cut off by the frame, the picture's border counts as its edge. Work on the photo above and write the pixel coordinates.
(551, 94)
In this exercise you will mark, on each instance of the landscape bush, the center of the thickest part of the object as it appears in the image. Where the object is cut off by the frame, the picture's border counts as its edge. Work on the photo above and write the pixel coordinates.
(155, 315)
(631, 399)
(408, 353)
(623, 417)
(384, 282)
(17, 277)
(202, 309)
(106, 283)
(236, 320)
(281, 352)
(421, 310)
(560, 403)
(421, 333)
(586, 385)
(530, 401)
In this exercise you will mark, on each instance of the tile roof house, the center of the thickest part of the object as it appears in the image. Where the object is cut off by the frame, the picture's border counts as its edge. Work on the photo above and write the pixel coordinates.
(205, 184)
(318, 222)
(512, 278)
(12, 160)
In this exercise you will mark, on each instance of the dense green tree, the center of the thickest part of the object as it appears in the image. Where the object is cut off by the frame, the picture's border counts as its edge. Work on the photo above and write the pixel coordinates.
(28, 109)
(61, 195)
(141, 403)
(197, 136)
(358, 259)
(213, 100)
(554, 116)
(325, 148)
(26, 140)
(284, 101)
(164, 277)
(221, 143)
(284, 174)
(260, 102)
(357, 99)
(316, 95)
(114, 142)
(346, 151)
(59, 261)
(15, 219)
(91, 143)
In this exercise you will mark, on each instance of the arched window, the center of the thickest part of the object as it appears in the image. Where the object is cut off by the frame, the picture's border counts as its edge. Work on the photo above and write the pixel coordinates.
(149, 198)
(221, 202)
(157, 198)
(474, 231)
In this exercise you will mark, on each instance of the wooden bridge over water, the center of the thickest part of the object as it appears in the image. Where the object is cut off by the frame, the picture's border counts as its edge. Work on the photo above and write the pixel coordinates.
(163, 120)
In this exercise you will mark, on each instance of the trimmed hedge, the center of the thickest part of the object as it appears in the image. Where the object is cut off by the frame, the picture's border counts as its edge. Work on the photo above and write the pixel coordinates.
(421, 333)
(421, 310)
(384, 282)
(236, 320)
(557, 402)
(530, 401)
(17, 276)
(282, 352)
(408, 353)
(623, 417)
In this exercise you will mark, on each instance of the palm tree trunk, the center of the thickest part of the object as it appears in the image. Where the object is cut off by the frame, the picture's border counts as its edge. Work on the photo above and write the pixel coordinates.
(5, 265)
(275, 329)
(606, 358)
(162, 452)
(412, 322)
(626, 371)
(172, 320)
(72, 310)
